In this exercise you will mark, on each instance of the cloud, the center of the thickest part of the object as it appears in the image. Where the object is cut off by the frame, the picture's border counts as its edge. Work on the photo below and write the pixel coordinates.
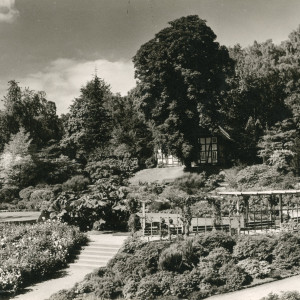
(8, 12)
(63, 78)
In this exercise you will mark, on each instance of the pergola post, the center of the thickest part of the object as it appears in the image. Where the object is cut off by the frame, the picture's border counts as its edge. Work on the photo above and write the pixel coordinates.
(238, 215)
(280, 209)
(246, 204)
(143, 217)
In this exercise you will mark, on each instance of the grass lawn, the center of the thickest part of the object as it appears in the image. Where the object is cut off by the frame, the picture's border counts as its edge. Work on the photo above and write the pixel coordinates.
(158, 175)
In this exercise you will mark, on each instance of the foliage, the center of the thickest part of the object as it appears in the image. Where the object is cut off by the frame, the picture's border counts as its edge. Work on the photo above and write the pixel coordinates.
(292, 295)
(171, 259)
(258, 247)
(161, 269)
(255, 268)
(34, 251)
(182, 73)
(17, 161)
(119, 169)
(191, 183)
(88, 123)
(262, 177)
(131, 136)
(214, 240)
(55, 167)
(76, 184)
(287, 251)
(9, 193)
(29, 110)
(279, 146)
(134, 223)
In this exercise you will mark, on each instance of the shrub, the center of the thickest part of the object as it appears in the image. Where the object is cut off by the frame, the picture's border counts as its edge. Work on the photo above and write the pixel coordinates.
(287, 251)
(148, 288)
(171, 259)
(156, 206)
(292, 295)
(9, 193)
(131, 245)
(29, 252)
(262, 176)
(218, 257)
(63, 295)
(76, 184)
(184, 284)
(233, 276)
(259, 247)
(214, 240)
(191, 183)
(255, 268)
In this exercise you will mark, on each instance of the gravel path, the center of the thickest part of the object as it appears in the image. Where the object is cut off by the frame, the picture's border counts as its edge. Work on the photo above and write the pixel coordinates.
(257, 292)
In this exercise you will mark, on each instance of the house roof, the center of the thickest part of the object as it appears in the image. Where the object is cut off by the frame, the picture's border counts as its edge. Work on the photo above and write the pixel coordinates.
(225, 133)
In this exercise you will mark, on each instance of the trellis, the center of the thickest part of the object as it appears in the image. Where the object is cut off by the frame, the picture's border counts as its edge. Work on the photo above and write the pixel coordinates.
(265, 210)
(237, 212)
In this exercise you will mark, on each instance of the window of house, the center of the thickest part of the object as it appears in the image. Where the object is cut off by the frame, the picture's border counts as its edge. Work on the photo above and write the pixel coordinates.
(208, 150)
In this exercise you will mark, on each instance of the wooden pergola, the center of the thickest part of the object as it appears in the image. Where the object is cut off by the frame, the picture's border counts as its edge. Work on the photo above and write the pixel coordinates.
(241, 196)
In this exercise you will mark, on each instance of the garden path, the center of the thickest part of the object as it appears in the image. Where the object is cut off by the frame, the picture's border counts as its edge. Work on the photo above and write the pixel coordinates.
(76, 271)
(257, 292)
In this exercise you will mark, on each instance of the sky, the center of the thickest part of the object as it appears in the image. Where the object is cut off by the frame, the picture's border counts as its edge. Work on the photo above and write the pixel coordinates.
(57, 46)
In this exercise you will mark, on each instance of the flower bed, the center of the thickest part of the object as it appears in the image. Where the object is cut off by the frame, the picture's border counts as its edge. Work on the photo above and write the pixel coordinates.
(31, 252)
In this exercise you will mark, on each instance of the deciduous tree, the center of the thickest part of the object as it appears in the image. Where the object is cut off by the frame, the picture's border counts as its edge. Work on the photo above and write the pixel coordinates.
(182, 73)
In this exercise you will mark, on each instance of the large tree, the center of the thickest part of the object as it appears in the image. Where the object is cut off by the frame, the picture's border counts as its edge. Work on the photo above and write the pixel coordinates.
(24, 108)
(88, 124)
(130, 135)
(182, 73)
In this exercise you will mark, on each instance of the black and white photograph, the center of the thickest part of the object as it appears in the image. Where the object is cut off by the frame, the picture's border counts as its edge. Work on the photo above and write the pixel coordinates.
(149, 149)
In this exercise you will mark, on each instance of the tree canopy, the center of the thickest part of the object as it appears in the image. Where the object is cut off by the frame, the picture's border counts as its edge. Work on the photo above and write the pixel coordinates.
(29, 110)
(88, 124)
(182, 73)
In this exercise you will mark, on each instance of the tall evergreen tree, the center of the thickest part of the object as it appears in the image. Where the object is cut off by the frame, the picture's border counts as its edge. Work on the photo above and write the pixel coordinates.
(88, 124)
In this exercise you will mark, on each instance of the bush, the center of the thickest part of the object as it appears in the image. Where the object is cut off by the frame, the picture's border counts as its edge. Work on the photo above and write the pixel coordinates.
(214, 240)
(191, 183)
(29, 252)
(287, 251)
(218, 257)
(76, 184)
(9, 193)
(262, 176)
(233, 276)
(255, 268)
(259, 247)
(292, 295)
(171, 259)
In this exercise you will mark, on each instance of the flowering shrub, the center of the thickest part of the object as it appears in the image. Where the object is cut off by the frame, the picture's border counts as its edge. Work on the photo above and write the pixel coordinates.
(28, 252)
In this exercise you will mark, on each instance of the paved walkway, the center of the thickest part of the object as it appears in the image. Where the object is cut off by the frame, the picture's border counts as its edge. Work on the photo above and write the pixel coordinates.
(67, 278)
(257, 292)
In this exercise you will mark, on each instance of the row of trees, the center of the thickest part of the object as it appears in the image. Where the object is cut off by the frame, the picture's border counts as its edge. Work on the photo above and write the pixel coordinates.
(187, 84)
(190, 84)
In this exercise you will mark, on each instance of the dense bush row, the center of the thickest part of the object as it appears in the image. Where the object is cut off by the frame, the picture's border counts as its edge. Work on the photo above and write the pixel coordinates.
(31, 252)
(193, 268)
